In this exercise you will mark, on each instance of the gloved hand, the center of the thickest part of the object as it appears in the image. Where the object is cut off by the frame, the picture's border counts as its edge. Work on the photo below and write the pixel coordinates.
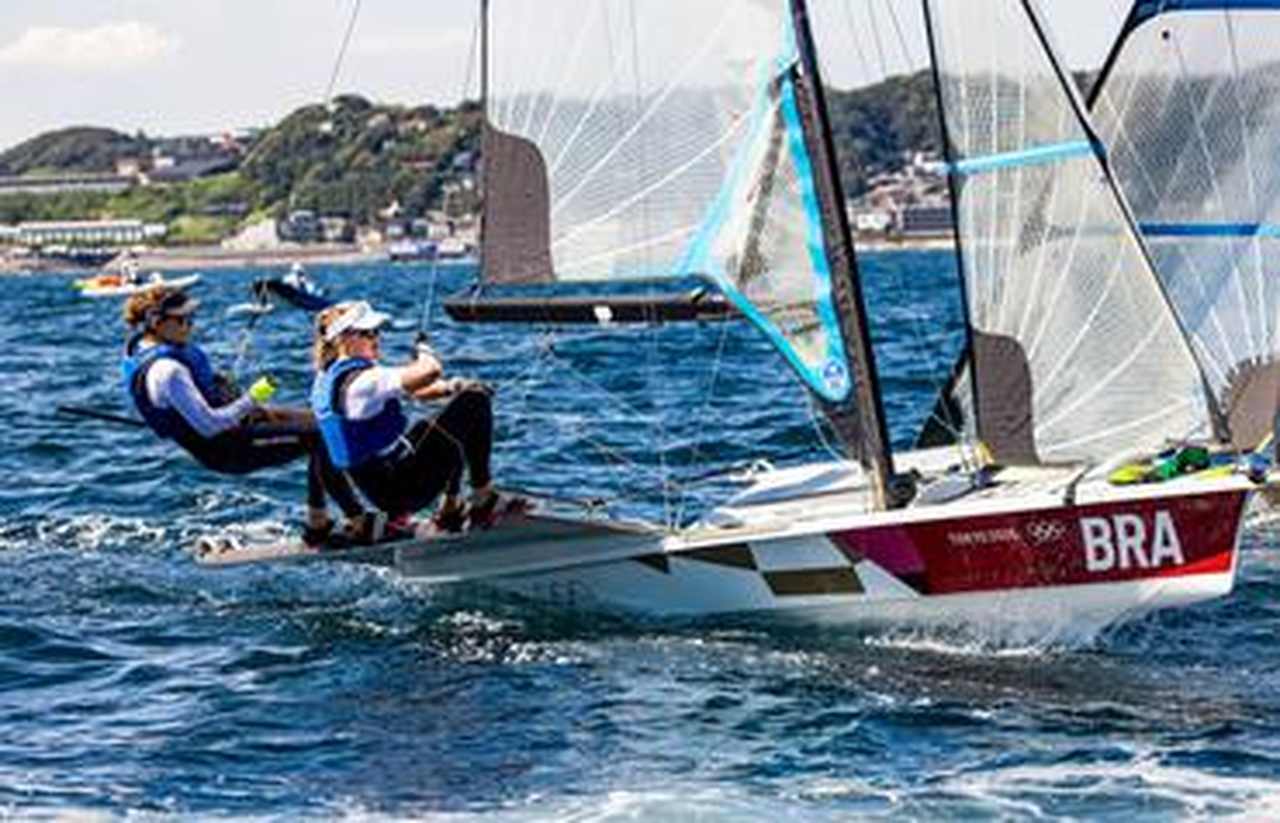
(461, 384)
(422, 347)
(262, 390)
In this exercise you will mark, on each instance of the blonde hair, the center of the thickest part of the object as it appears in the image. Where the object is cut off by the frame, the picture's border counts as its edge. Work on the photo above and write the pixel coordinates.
(141, 307)
(324, 352)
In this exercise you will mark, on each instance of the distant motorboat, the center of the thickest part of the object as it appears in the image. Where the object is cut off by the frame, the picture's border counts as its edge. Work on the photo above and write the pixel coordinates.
(116, 284)
(295, 288)
(409, 251)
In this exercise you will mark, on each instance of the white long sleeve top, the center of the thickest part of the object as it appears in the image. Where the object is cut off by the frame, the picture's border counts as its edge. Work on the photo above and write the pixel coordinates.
(368, 392)
(170, 386)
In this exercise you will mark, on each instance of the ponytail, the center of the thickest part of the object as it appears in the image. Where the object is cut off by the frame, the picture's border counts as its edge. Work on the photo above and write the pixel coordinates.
(324, 352)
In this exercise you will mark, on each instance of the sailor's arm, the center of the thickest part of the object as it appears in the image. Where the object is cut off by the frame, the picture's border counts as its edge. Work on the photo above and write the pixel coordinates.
(169, 386)
(419, 374)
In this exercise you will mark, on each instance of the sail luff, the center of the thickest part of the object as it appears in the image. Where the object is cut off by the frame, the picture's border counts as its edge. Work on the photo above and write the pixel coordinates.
(953, 200)
(871, 434)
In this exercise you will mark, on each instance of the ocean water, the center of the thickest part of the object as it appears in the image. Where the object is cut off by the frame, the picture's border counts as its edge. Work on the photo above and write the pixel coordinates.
(132, 682)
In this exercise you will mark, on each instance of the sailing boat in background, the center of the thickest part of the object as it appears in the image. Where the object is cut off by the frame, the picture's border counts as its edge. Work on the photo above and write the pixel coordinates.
(676, 139)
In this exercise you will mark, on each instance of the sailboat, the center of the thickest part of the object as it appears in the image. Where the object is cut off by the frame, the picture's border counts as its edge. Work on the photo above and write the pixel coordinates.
(678, 139)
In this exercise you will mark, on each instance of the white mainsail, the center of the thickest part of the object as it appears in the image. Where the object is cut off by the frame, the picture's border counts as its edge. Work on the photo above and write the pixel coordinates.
(661, 139)
(1189, 106)
(1077, 354)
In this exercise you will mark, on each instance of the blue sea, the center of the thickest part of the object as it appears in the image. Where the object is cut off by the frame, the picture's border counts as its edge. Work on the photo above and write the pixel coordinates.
(133, 683)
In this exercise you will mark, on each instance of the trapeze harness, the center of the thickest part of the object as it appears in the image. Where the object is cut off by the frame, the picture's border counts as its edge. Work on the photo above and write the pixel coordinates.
(354, 443)
(401, 469)
(169, 423)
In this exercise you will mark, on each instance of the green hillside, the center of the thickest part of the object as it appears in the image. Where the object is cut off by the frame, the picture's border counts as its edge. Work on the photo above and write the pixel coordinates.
(76, 149)
(875, 126)
(354, 158)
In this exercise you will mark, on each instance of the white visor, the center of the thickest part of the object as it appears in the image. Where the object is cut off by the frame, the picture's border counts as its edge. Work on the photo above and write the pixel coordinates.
(358, 316)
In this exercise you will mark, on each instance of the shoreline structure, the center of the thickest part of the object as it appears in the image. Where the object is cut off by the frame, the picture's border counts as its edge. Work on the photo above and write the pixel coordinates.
(190, 258)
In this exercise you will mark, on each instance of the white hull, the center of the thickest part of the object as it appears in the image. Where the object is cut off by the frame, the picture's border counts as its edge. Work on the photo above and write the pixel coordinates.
(809, 559)
(1063, 614)
(91, 290)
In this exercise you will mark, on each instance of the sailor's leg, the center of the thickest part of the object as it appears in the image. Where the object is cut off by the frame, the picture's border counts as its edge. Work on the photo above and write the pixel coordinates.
(339, 486)
(466, 422)
(315, 484)
(245, 450)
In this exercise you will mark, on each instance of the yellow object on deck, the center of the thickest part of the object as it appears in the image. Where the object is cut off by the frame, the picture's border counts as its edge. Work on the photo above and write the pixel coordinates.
(1129, 474)
(1216, 472)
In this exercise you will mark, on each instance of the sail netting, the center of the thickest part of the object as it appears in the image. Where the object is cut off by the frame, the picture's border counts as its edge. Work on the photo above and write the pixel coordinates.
(660, 139)
(1190, 110)
(1076, 354)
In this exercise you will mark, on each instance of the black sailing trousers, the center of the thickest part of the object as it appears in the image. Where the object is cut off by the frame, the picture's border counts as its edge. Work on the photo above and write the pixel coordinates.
(433, 456)
(245, 449)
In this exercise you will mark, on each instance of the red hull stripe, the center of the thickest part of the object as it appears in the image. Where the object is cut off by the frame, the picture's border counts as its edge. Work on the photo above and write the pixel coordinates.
(1095, 543)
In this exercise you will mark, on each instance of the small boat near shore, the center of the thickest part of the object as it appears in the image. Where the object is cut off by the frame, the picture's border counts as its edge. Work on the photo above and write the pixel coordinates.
(123, 285)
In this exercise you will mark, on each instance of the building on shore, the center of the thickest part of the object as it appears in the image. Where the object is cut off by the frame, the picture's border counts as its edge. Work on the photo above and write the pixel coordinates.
(36, 233)
(929, 220)
(64, 183)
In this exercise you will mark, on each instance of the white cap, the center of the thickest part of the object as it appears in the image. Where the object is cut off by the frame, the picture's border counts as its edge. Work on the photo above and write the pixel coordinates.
(356, 316)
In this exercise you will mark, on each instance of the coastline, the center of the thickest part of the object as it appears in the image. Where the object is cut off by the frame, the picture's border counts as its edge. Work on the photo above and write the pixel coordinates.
(185, 258)
(189, 258)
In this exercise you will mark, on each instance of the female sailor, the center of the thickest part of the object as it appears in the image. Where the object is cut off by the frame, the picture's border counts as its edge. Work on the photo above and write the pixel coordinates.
(181, 398)
(401, 468)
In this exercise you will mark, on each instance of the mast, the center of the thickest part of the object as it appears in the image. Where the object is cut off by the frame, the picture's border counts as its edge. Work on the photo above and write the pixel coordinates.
(862, 427)
(484, 128)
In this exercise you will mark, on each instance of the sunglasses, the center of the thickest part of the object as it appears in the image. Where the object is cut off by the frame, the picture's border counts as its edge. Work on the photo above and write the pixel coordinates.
(367, 334)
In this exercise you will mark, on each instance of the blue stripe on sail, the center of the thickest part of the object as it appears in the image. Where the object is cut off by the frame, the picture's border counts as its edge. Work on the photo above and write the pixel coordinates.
(1146, 11)
(831, 374)
(1210, 229)
(698, 258)
(1025, 157)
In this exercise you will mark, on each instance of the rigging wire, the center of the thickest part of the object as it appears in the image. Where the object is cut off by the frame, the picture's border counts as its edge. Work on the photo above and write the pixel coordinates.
(696, 459)
(471, 59)
(930, 348)
(342, 52)
(653, 350)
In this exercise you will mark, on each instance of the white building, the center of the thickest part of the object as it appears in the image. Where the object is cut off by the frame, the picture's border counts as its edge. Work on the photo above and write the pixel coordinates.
(87, 232)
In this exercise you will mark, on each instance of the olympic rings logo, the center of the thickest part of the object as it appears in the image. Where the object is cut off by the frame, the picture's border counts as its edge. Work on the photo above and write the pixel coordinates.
(1041, 532)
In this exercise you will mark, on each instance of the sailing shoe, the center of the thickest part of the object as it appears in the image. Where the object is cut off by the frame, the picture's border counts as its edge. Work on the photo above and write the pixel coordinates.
(367, 528)
(400, 527)
(316, 536)
(484, 514)
(450, 519)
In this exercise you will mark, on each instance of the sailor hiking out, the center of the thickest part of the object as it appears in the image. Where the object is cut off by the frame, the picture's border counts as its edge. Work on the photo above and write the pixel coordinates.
(176, 390)
(401, 467)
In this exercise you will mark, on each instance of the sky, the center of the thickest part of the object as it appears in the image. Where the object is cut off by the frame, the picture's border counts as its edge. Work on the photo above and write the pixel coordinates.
(171, 67)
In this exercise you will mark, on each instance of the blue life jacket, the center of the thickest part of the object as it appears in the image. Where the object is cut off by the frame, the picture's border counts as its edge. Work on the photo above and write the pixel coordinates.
(168, 423)
(352, 442)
